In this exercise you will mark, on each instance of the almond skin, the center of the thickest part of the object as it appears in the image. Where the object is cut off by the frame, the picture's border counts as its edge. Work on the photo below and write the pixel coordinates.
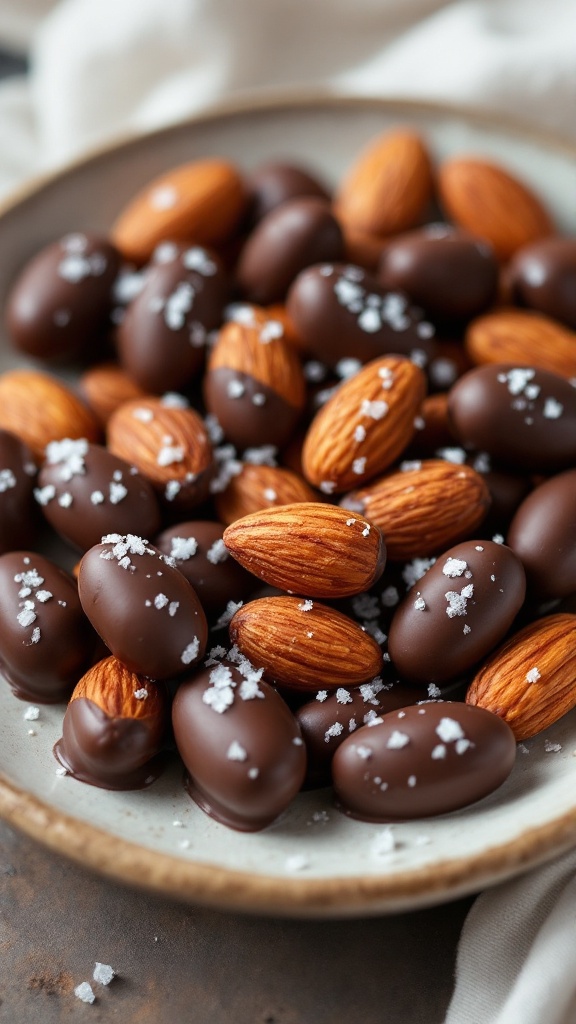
(492, 204)
(527, 339)
(303, 647)
(259, 350)
(425, 508)
(544, 651)
(107, 386)
(200, 202)
(388, 187)
(260, 487)
(364, 426)
(309, 548)
(39, 409)
(112, 686)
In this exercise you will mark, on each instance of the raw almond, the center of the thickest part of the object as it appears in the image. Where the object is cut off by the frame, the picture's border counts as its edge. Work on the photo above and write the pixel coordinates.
(424, 507)
(39, 409)
(304, 644)
(530, 681)
(105, 387)
(524, 338)
(309, 548)
(388, 187)
(364, 426)
(200, 202)
(260, 487)
(493, 204)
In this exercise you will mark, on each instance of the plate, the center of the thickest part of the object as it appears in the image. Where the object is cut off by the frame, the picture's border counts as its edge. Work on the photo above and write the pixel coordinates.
(313, 861)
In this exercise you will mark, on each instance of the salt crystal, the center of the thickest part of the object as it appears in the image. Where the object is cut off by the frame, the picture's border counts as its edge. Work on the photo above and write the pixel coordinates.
(84, 992)
(397, 740)
(103, 973)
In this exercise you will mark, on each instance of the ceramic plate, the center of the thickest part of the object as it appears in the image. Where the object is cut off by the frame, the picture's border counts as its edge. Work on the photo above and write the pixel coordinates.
(313, 861)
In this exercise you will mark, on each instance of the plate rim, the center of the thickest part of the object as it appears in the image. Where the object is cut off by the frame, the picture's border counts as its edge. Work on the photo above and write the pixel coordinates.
(221, 887)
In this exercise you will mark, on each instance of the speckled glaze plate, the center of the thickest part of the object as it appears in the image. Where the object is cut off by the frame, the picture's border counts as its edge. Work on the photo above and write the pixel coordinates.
(313, 861)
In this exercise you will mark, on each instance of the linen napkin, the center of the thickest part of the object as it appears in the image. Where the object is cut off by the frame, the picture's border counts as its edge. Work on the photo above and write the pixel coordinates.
(99, 70)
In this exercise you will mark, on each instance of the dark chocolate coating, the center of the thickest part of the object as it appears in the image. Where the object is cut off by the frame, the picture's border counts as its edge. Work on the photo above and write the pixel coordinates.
(447, 271)
(216, 577)
(45, 638)
(143, 608)
(543, 276)
(273, 183)
(86, 492)
(543, 535)
(62, 299)
(161, 339)
(17, 478)
(340, 311)
(457, 612)
(111, 753)
(247, 761)
(521, 416)
(426, 760)
(288, 239)
(230, 396)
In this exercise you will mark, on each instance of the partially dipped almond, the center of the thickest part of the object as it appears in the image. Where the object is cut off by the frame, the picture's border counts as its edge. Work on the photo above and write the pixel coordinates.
(309, 548)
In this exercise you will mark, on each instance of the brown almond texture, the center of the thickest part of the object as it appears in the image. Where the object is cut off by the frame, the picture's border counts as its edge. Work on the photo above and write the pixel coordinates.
(388, 187)
(364, 426)
(424, 508)
(524, 338)
(493, 204)
(200, 202)
(305, 645)
(112, 686)
(105, 387)
(309, 548)
(259, 350)
(530, 681)
(260, 487)
(39, 409)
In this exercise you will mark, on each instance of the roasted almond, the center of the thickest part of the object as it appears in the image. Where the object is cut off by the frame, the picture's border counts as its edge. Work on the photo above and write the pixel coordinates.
(364, 426)
(38, 409)
(309, 548)
(105, 387)
(492, 204)
(305, 645)
(388, 187)
(120, 693)
(530, 681)
(424, 507)
(260, 487)
(199, 202)
(524, 338)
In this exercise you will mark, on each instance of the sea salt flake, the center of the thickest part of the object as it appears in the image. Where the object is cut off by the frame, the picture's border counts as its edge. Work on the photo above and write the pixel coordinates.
(461, 746)
(7, 480)
(533, 675)
(552, 409)
(374, 410)
(183, 548)
(438, 752)
(552, 748)
(44, 494)
(434, 691)
(333, 730)
(236, 752)
(43, 596)
(217, 553)
(412, 781)
(219, 698)
(343, 696)
(359, 466)
(228, 613)
(170, 454)
(32, 714)
(253, 773)
(397, 740)
(97, 498)
(384, 843)
(306, 606)
(363, 752)
(103, 973)
(454, 567)
(190, 652)
(322, 695)
(173, 608)
(448, 729)
(420, 604)
(117, 492)
(359, 433)
(26, 617)
(84, 992)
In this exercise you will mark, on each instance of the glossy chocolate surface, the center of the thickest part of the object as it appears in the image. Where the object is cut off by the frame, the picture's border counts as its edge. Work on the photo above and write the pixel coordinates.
(543, 276)
(426, 760)
(17, 479)
(249, 412)
(291, 237)
(45, 638)
(240, 744)
(339, 311)
(521, 416)
(143, 608)
(162, 336)
(457, 612)
(543, 535)
(62, 299)
(86, 492)
(274, 182)
(445, 270)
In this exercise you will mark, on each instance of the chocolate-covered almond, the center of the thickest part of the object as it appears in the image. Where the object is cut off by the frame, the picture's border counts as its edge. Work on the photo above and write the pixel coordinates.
(543, 276)
(240, 744)
(422, 761)
(45, 638)
(293, 236)
(85, 492)
(339, 311)
(447, 271)
(543, 535)
(457, 612)
(162, 336)
(17, 478)
(62, 298)
(520, 415)
(144, 609)
(273, 183)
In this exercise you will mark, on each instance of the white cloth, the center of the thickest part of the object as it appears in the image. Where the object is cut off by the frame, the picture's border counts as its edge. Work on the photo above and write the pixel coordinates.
(100, 68)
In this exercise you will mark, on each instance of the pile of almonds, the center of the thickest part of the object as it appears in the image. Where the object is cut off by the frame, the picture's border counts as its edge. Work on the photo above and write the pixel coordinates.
(320, 467)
